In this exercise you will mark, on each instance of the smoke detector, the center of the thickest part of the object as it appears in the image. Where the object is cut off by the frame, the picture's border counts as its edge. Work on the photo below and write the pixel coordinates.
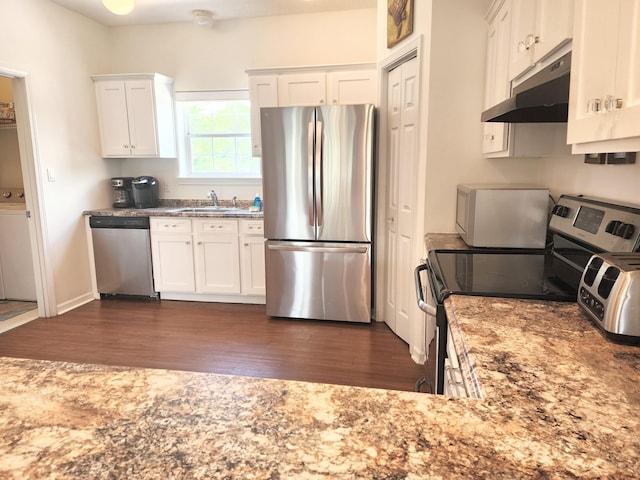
(202, 18)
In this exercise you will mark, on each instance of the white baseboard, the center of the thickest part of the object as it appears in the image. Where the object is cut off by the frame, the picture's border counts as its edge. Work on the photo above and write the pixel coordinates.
(74, 303)
(206, 297)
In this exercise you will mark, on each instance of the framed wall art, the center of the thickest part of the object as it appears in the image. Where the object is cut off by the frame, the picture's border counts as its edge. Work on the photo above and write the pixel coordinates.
(399, 20)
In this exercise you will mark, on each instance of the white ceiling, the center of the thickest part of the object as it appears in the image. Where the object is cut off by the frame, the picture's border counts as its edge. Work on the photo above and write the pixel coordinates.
(166, 11)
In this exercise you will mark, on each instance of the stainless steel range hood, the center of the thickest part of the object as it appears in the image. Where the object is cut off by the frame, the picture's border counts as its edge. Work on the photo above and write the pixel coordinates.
(542, 98)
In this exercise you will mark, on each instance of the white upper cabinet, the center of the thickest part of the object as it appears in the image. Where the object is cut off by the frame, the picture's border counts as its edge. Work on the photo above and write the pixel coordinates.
(604, 103)
(497, 85)
(263, 92)
(352, 87)
(136, 114)
(539, 28)
(302, 89)
(308, 86)
(522, 139)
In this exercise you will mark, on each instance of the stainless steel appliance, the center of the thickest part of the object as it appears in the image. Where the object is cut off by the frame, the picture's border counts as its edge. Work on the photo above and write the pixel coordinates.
(122, 192)
(122, 252)
(542, 98)
(502, 215)
(610, 293)
(581, 227)
(317, 175)
(146, 192)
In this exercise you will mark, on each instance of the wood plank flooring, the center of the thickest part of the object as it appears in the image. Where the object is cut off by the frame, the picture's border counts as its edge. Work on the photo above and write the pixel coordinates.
(219, 338)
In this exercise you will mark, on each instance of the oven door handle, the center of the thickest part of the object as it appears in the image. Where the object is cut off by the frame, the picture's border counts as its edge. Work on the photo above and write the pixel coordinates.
(424, 306)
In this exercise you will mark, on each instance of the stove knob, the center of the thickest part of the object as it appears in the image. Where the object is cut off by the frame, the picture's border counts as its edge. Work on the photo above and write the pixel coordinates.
(625, 230)
(560, 211)
(612, 226)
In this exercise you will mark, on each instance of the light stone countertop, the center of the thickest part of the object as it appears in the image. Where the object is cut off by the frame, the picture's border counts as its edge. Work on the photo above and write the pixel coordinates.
(560, 401)
(167, 208)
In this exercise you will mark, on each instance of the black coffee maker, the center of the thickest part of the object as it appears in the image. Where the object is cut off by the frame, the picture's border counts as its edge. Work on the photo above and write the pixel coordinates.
(146, 191)
(122, 192)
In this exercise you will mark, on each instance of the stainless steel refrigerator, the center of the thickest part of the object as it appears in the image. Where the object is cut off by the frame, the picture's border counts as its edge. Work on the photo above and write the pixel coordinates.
(317, 175)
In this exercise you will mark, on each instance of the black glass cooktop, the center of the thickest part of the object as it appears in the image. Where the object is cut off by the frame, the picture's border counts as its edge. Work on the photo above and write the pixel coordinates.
(528, 274)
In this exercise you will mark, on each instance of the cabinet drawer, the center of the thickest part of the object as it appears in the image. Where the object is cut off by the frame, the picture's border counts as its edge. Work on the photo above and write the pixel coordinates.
(252, 227)
(171, 225)
(215, 225)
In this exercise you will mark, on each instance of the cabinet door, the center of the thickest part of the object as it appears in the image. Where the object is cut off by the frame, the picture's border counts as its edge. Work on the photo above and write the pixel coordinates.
(627, 118)
(113, 118)
(593, 67)
(142, 118)
(497, 85)
(263, 92)
(217, 263)
(523, 35)
(304, 89)
(539, 28)
(173, 269)
(252, 261)
(555, 26)
(352, 87)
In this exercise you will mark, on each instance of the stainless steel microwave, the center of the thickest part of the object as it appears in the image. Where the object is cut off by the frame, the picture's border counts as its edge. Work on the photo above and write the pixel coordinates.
(502, 216)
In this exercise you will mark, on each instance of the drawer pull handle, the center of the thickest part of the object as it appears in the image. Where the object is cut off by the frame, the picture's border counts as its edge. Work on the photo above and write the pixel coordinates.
(449, 372)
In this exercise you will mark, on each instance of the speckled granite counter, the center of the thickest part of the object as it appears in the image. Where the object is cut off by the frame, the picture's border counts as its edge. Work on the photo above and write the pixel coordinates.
(548, 373)
(444, 241)
(559, 402)
(168, 208)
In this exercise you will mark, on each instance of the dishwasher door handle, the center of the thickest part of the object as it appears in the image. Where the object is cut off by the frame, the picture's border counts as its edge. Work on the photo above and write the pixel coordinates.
(424, 306)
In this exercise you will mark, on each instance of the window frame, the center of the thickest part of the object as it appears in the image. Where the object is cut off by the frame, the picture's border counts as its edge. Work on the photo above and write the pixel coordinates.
(187, 175)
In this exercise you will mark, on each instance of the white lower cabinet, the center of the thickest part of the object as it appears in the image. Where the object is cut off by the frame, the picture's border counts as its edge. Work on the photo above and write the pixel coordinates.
(217, 256)
(172, 254)
(201, 259)
(252, 257)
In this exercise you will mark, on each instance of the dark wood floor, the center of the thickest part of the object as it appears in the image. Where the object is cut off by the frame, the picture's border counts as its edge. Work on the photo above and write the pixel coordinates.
(219, 338)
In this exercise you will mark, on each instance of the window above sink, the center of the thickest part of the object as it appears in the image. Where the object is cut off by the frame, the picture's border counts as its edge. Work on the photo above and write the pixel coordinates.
(214, 136)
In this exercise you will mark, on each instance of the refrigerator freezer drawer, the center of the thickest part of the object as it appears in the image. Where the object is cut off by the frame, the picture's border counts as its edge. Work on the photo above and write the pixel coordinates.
(324, 281)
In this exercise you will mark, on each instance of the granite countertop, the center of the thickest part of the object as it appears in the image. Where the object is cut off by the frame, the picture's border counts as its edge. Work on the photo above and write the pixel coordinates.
(444, 241)
(559, 401)
(554, 400)
(168, 207)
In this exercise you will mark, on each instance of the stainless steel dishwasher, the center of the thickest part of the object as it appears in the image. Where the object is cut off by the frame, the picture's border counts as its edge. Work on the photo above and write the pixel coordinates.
(122, 251)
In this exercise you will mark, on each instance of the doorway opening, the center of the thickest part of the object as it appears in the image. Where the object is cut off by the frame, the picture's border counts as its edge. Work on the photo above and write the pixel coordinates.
(22, 293)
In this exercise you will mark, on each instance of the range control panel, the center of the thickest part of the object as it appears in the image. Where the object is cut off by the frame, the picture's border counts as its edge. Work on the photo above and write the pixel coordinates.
(600, 223)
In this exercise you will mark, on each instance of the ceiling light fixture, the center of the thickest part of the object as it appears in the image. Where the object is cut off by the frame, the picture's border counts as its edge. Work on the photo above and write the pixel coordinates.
(119, 7)
(202, 18)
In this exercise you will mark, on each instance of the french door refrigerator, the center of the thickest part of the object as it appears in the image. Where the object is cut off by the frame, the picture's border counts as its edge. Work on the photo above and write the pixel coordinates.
(317, 175)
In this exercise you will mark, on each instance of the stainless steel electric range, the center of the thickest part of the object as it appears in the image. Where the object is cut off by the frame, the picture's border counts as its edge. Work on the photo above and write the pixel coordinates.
(579, 227)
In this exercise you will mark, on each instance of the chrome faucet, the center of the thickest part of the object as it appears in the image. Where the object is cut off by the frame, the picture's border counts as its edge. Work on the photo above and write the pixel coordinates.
(234, 201)
(214, 198)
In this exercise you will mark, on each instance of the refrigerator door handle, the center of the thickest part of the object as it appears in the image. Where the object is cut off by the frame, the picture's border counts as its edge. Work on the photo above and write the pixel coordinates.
(310, 167)
(293, 248)
(319, 166)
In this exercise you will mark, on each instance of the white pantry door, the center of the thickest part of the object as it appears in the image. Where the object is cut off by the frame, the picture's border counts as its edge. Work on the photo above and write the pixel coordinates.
(402, 141)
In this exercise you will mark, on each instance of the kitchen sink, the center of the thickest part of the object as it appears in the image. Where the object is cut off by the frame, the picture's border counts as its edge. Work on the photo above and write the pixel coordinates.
(225, 210)
(202, 210)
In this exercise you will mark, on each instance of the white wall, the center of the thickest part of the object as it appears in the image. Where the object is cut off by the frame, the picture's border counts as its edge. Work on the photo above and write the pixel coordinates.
(569, 174)
(216, 58)
(59, 51)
